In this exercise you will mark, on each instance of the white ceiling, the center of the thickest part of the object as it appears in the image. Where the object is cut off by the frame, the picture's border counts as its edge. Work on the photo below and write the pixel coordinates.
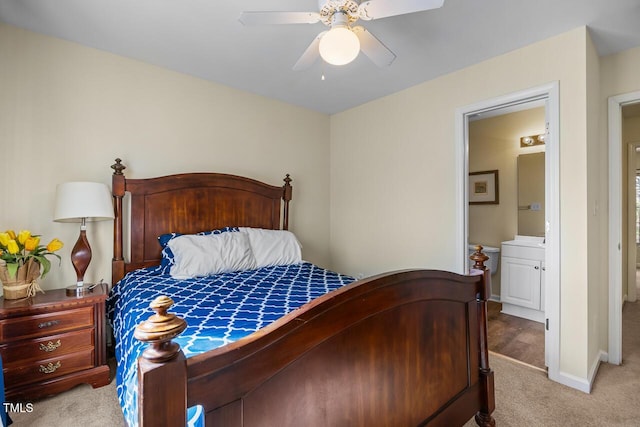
(203, 38)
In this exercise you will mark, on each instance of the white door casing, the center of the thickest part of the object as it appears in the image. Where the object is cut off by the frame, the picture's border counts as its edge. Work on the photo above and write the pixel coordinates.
(548, 93)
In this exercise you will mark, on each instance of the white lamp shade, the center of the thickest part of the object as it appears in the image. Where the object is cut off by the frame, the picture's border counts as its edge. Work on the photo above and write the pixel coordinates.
(339, 46)
(78, 200)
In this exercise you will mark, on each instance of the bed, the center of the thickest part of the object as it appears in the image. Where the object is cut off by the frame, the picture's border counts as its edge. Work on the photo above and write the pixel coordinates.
(406, 348)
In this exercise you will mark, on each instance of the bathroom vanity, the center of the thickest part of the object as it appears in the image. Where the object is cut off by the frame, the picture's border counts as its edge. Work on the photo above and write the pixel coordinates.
(522, 277)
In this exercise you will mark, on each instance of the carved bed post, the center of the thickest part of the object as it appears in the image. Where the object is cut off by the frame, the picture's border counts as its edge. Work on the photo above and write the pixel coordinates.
(286, 196)
(162, 368)
(483, 417)
(117, 189)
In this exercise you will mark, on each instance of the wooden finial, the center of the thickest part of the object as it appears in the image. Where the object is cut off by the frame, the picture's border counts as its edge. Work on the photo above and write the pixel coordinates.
(479, 258)
(159, 330)
(287, 193)
(286, 196)
(118, 167)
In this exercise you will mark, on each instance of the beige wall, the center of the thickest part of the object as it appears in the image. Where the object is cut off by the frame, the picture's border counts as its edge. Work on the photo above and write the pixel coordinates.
(494, 143)
(66, 112)
(393, 195)
(619, 74)
(597, 313)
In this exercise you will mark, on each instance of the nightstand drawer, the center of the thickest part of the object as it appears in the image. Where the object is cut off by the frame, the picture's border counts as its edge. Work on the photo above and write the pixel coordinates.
(43, 370)
(46, 324)
(51, 346)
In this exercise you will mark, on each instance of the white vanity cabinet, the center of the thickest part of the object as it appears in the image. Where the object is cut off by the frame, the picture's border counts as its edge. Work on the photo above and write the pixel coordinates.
(522, 278)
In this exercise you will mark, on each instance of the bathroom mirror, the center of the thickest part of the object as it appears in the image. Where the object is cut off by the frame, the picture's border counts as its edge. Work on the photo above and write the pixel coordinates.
(531, 194)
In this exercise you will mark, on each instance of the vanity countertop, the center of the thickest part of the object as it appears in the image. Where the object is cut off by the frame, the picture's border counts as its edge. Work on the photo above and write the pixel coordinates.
(528, 241)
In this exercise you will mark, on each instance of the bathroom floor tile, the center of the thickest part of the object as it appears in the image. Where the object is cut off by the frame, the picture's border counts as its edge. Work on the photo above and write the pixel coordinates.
(514, 337)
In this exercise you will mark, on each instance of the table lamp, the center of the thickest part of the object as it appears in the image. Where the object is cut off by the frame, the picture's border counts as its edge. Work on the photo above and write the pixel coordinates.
(82, 202)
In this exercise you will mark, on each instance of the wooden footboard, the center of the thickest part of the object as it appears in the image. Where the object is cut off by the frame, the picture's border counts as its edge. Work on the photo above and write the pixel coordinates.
(400, 349)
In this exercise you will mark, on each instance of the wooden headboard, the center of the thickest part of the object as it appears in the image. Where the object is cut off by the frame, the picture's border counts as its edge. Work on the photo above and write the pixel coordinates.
(189, 203)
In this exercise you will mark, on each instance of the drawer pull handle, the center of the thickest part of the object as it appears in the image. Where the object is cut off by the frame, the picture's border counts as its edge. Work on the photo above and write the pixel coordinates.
(50, 368)
(50, 346)
(48, 324)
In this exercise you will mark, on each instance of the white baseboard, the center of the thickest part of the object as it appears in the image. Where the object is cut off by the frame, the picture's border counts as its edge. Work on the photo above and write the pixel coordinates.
(524, 312)
(583, 384)
(602, 357)
(572, 381)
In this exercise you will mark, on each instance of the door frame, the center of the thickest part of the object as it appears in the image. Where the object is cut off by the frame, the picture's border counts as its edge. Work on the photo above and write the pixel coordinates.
(615, 104)
(550, 93)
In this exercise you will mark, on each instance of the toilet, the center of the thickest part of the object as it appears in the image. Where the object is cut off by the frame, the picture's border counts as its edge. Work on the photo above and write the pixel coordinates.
(492, 253)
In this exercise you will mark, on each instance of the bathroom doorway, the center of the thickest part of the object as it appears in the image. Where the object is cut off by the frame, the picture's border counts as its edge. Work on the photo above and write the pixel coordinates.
(511, 141)
(548, 95)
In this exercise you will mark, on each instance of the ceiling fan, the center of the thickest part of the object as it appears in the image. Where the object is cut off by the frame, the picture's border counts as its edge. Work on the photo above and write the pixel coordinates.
(342, 42)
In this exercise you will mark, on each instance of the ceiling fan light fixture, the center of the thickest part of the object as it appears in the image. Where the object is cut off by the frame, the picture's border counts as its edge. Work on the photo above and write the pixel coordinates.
(339, 46)
(342, 43)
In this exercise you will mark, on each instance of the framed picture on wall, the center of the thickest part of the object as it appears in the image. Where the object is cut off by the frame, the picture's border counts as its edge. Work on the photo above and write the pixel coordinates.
(483, 188)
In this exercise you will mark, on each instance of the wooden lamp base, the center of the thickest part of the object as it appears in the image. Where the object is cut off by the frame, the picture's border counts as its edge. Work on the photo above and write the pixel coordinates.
(80, 258)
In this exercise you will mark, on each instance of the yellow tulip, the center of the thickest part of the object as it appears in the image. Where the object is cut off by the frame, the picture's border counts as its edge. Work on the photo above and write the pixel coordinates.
(23, 235)
(12, 234)
(54, 245)
(32, 243)
(4, 239)
(12, 247)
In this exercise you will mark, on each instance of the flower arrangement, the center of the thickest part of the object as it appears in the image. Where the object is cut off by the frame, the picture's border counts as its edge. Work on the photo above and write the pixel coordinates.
(24, 248)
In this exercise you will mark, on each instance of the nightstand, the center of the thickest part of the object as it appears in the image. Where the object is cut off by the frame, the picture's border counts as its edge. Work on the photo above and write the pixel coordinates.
(52, 342)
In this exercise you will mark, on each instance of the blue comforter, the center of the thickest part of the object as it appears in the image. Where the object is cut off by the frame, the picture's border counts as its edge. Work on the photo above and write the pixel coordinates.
(218, 309)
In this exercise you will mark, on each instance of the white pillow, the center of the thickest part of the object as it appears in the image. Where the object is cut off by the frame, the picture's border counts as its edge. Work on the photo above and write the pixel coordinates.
(273, 247)
(197, 256)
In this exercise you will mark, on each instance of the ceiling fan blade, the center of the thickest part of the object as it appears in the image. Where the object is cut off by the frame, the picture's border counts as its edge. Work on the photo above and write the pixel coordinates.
(376, 9)
(377, 52)
(272, 18)
(310, 55)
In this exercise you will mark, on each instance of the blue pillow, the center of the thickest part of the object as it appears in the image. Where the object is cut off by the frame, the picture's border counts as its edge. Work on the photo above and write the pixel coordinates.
(167, 255)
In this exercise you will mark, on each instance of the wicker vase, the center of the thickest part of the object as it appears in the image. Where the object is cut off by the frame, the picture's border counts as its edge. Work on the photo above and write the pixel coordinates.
(24, 284)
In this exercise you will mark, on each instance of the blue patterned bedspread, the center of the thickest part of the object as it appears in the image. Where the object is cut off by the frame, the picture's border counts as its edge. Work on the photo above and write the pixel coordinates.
(218, 309)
